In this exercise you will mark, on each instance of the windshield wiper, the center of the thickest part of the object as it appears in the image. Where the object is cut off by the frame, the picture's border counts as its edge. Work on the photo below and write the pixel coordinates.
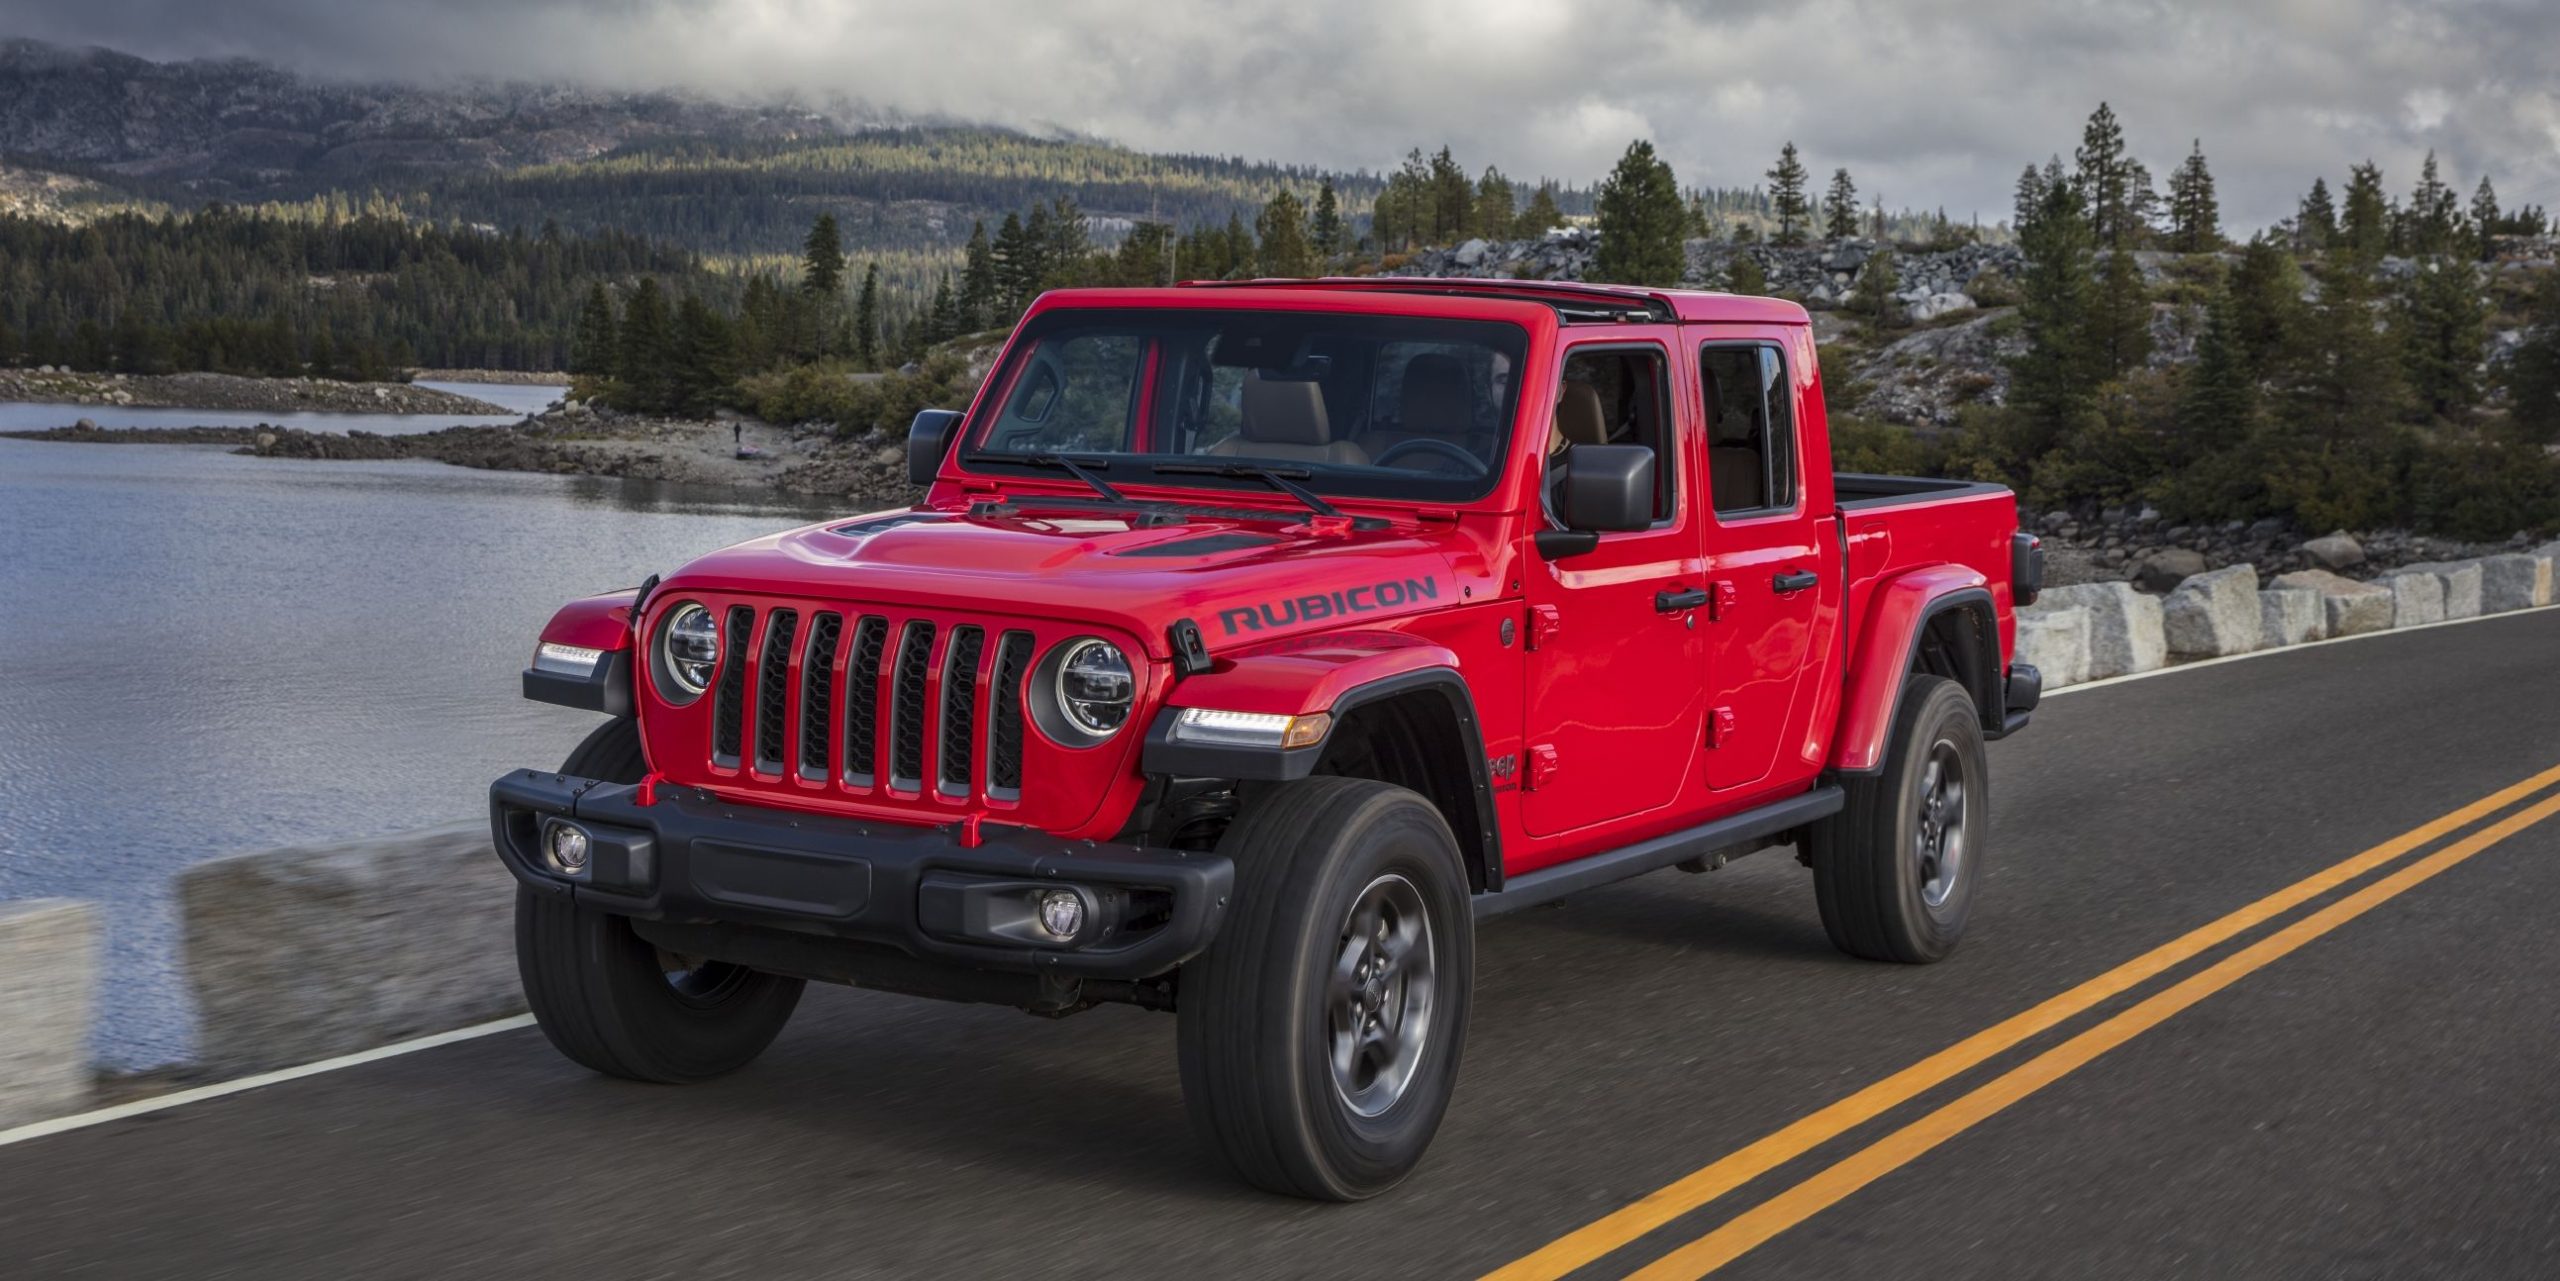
(1083, 471)
(1284, 479)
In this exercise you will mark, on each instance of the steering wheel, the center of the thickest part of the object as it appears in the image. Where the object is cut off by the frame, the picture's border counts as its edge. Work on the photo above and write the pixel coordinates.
(1425, 444)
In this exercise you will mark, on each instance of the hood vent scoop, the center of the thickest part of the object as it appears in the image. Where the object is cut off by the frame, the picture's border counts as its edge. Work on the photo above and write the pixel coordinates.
(866, 528)
(1204, 545)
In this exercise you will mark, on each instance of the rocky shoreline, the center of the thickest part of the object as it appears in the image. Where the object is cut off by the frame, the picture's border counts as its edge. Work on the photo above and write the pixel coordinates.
(510, 377)
(233, 393)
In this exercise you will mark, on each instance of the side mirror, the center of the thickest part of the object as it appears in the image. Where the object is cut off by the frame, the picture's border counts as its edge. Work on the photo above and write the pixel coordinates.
(1606, 489)
(928, 439)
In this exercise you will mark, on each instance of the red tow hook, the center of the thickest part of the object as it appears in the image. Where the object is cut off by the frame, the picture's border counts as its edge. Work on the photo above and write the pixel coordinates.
(647, 793)
(970, 835)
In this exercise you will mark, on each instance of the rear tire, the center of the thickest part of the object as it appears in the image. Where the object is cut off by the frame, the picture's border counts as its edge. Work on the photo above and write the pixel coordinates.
(613, 1002)
(1895, 870)
(1320, 1034)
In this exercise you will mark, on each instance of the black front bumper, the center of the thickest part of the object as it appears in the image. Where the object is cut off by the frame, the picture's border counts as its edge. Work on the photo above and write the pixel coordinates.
(693, 858)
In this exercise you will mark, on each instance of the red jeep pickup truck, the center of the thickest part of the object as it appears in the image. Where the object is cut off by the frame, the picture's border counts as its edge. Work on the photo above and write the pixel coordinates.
(1250, 644)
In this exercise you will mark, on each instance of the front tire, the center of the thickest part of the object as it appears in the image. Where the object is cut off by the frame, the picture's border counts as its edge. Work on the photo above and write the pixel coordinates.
(1895, 870)
(1320, 1034)
(613, 1002)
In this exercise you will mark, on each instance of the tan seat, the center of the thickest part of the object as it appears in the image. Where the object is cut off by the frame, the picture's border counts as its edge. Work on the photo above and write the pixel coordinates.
(1579, 418)
(1433, 402)
(1733, 454)
(1285, 419)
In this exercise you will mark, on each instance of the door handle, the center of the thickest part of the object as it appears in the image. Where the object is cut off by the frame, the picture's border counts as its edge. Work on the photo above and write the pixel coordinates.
(1795, 580)
(1674, 602)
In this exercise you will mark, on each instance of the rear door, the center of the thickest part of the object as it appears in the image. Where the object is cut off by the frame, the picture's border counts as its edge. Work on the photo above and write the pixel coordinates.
(1771, 564)
(1614, 701)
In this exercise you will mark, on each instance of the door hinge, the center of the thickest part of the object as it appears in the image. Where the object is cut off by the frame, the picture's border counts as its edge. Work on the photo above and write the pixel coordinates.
(1544, 622)
(1719, 726)
(1542, 766)
(1720, 604)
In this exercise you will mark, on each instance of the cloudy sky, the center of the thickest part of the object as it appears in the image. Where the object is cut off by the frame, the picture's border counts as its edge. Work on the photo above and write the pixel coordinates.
(1930, 102)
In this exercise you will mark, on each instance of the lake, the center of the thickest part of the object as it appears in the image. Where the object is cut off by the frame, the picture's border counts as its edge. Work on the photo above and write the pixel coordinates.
(202, 653)
(518, 399)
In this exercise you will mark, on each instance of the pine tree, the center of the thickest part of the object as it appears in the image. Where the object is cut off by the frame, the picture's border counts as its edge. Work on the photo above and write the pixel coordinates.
(1872, 296)
(866, 319)
(980, 287)
(1542, 215)
(2052, 382)
(2435, 214)
(1452, 199)
(647, 347)
(2265, 301)
(1492, 215)
(2195, 220)
(2108, 181)
(2328, 463)
(701, 358)
(2120, 316)
(2443, 323)
(1324, 226)
(1641, 220)
(1787, 198)
(1282, 230)
(591, 347)
(822, 258)
(2315, 227)
(1017, 267)
(1743, 274)
(1840, 207)
(2029, 198)
(2532, 371)
(942, 319)
(2220, 399)
(2364, 228)
(2484, 219)
(1063, 249)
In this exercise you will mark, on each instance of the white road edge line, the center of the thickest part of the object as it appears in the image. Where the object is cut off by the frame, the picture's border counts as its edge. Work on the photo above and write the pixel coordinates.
(83, 1120)
(2174, 668)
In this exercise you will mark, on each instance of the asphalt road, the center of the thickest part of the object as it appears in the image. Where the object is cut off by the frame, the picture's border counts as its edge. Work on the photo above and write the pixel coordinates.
(2383, 1101)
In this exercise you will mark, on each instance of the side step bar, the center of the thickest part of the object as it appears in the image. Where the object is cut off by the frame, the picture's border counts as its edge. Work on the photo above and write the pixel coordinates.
(1551, 883)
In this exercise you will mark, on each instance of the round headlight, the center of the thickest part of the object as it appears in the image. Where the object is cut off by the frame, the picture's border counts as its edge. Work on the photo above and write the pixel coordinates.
(1095, 686)
(689, 644)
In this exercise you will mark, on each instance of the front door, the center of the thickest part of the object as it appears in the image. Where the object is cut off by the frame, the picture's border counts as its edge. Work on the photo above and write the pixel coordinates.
(1614, 700)
(1772, 572)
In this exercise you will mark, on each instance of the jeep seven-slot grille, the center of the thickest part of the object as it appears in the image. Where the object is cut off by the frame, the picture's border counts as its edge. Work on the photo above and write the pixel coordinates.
(859, 700)
(818, 696)
(772, 694)
(907, 711)
(958, 750)
(1004, 728)
(728, 702)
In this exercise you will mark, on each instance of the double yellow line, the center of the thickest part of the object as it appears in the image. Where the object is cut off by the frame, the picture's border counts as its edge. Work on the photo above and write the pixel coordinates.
(1751, 1227)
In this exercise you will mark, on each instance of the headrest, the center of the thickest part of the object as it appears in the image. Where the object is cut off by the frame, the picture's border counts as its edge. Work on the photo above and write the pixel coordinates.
(1284, 412)
(1725, 425)
(1579, 418)
(1436, 399)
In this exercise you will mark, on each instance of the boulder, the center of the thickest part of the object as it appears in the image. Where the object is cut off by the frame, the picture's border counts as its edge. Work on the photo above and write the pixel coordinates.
(2162, 570)
(2518, 580)
(303, 953)
(2289, 616)
(1932, 306)
(2416, 599)
(2460, 582)
(2056, 643)
(2348, 608)
(2214, 614)
(2125, 631)
(49, 950)
(2336, 550)
(1472, 253)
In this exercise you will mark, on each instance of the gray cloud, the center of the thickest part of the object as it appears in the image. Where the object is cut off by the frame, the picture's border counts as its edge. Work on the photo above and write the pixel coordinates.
(1930, 102)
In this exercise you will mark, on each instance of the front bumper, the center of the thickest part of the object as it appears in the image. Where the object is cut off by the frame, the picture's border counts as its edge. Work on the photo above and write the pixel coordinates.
(690, 857)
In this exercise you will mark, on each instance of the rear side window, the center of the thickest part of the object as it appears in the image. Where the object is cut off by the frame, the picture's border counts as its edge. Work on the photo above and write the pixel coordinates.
(1751, 432)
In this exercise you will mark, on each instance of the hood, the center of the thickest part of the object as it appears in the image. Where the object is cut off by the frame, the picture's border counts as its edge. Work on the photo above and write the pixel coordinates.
(1241, 580)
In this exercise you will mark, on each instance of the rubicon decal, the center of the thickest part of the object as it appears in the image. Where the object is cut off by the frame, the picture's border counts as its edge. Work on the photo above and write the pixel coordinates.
(1365, 599)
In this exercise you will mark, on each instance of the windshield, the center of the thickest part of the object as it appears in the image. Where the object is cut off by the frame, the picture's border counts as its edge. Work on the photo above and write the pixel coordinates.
(1359, 406)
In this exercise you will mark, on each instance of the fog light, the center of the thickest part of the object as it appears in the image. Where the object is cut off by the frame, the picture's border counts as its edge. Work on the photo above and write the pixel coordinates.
(1062, 914)
(567, 847)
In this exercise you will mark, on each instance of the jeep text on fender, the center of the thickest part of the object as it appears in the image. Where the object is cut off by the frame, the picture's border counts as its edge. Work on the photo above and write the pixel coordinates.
(1249, 644)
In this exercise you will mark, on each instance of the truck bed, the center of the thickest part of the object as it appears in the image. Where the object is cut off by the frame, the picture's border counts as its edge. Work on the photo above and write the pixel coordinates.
(1860, 491)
